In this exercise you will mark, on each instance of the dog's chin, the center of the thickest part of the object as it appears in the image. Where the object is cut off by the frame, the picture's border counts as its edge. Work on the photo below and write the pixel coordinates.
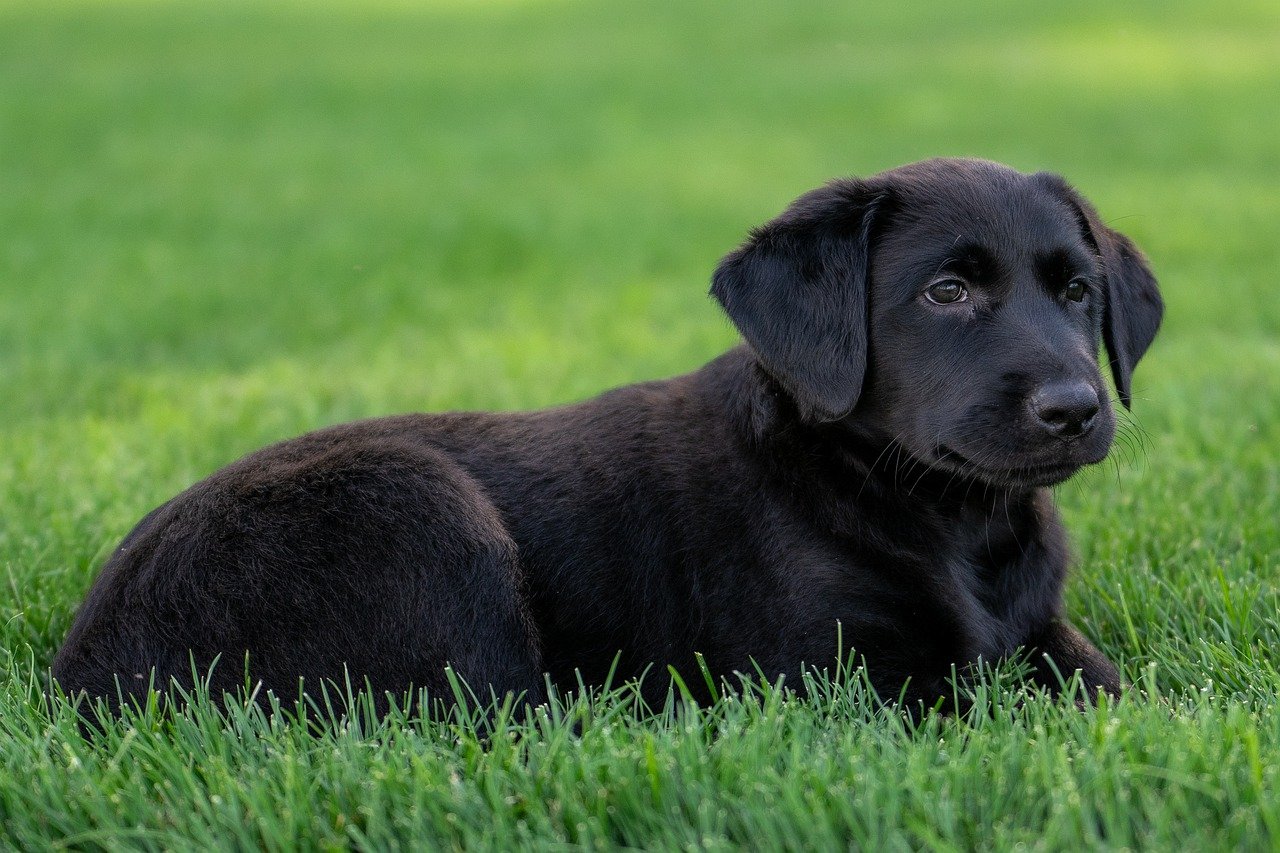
(1010, 470)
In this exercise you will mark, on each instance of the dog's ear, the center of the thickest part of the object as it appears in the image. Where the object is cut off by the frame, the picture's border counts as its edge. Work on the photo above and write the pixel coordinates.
(1133, 306)
(797, 290)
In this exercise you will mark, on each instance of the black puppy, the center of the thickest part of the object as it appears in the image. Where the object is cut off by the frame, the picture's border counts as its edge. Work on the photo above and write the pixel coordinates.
(920, 361)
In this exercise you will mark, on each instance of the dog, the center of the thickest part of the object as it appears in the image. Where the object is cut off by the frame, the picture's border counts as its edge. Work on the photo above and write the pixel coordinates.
(867, 470)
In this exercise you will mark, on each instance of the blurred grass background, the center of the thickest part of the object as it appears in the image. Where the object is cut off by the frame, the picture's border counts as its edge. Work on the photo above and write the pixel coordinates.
(223, 224)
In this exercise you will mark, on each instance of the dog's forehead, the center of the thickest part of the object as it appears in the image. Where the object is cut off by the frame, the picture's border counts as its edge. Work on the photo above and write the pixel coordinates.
(943, 203)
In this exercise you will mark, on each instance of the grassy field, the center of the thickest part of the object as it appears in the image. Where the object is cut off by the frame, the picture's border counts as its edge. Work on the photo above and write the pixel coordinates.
(226, 223)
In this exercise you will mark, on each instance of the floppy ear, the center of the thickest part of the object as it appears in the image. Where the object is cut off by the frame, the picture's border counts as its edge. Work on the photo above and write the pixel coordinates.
(797, 290)
(1133, 306)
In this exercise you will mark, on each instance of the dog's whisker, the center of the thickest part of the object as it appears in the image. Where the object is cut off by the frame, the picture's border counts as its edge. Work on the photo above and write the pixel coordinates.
(887, 449)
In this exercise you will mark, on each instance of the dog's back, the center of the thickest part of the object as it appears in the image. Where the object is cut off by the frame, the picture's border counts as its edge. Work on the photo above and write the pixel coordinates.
(386, 549)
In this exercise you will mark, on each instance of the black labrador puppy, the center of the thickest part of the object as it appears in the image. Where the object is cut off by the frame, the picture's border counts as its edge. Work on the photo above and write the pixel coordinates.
(920, 364)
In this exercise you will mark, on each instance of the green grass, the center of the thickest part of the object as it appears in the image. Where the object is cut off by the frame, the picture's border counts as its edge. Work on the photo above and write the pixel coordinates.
(224, 224)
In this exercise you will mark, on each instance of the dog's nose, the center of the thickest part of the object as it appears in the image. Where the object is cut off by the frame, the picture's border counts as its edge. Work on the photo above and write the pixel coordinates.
(1066, 409)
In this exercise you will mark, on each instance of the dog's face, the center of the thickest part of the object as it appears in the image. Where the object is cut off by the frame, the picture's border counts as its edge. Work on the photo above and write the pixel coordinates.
(955, 307)
(985, 309)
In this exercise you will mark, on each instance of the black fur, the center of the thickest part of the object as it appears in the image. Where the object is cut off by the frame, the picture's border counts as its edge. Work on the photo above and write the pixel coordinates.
(869, 457)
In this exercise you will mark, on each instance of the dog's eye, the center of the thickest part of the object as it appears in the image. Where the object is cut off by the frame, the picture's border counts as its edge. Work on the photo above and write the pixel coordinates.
(1075, 290)
(945, 291)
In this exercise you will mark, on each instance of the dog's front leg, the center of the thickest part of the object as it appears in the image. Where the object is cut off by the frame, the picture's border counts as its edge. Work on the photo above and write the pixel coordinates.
(1059, 650)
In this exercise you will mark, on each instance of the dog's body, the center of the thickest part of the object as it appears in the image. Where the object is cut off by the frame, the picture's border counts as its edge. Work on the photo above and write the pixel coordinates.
(834, 470)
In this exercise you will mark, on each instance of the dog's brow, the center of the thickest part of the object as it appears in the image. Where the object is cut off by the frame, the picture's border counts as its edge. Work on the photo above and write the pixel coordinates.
(1061, 264)
(969, 259)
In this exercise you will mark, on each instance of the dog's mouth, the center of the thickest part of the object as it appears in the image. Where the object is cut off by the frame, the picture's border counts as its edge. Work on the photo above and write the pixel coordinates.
(1024, 474)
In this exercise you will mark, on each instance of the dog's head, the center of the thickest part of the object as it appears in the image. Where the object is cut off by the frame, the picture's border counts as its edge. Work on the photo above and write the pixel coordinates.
(953, 306)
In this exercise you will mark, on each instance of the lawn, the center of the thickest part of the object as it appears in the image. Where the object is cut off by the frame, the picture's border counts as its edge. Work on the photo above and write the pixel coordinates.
(223, 224)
